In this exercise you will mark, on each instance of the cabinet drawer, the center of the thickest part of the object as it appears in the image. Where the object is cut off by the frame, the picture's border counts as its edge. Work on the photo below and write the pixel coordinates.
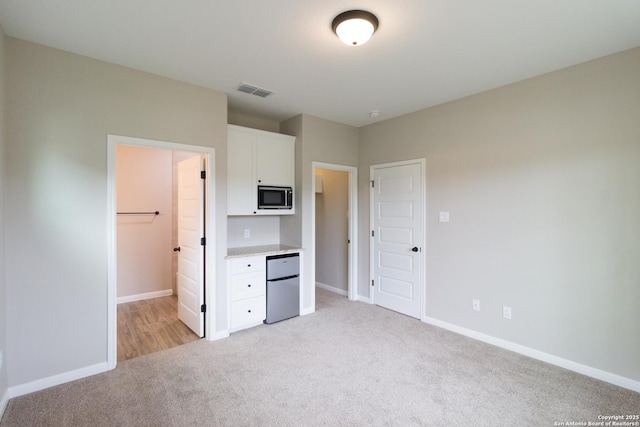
(248, 311)
(247, 264)
(247, 285)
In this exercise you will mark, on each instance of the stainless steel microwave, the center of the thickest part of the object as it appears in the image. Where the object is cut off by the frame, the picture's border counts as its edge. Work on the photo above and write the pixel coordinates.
(275, 197)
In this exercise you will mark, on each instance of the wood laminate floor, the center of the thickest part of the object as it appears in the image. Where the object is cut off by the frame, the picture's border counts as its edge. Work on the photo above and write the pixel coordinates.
(150, 325)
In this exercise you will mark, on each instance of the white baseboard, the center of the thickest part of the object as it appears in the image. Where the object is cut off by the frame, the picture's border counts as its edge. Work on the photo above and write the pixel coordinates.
(331, 289)
(308, 310)
(539, 355)
(3, 403)
(363, 299)
(148, 295)
(219, 335)
(55, 380)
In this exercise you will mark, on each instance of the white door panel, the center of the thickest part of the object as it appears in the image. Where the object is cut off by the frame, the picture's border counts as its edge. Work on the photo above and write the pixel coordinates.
(398, 288)
(396, 261)
(396, 209)
(397, 218)
(191, 255)
(396, 235)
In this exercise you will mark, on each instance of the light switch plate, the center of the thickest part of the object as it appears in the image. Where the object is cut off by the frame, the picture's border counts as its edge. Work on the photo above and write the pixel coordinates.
(506, 312)
(444, 216)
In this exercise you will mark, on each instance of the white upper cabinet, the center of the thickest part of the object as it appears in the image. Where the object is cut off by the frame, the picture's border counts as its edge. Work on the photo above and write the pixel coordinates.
(256, 157)
(275, 157)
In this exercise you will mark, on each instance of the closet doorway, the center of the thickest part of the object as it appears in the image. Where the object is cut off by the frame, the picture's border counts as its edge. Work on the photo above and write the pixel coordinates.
(148, 195)
(334, 218)
(157, 270)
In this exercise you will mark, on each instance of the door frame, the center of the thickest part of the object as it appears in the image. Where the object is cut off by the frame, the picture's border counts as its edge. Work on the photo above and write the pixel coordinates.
(352, 171)
(423, 204)
(210, 249)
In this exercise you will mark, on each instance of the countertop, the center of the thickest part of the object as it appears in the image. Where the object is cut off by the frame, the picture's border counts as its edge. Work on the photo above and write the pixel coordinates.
(260, 250)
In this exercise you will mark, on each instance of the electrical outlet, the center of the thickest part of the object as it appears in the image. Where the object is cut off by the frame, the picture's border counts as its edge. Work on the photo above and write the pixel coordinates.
(506, 312)
(247, 233)
(476, 304)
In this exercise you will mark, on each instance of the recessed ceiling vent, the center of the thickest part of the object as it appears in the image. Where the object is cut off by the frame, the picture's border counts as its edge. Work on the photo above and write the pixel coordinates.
(253, 90)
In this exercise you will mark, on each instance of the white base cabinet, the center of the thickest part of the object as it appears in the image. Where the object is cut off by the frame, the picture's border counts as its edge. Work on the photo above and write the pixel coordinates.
(247, 282)
(256, 157)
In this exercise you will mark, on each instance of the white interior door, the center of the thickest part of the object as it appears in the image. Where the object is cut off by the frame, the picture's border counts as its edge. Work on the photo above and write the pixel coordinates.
(191, 255)
(397, 219)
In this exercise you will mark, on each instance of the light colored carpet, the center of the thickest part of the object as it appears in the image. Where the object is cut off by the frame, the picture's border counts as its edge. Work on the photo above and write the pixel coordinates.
(348, 364)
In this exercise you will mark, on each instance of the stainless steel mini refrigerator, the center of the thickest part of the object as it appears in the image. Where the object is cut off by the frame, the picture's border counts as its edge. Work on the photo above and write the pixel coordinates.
(283, 287)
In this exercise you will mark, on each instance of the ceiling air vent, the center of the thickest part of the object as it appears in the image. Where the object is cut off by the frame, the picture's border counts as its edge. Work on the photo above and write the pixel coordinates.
(253, 90)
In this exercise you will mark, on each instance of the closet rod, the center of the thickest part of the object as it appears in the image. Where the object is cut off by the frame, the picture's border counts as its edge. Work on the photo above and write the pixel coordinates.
(139, 213)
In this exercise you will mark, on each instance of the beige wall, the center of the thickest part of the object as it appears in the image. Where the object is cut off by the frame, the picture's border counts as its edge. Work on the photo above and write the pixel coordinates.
(542, 182)
(3, 322)
(62, 106)
(317, 140)
(144, 250)
(332, 229)
(254, 122)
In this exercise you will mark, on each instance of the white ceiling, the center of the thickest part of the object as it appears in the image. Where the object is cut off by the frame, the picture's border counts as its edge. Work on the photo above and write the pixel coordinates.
(424, 53)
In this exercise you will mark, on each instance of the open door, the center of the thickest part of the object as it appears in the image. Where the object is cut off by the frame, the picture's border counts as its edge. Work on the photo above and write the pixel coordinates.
(191, 244)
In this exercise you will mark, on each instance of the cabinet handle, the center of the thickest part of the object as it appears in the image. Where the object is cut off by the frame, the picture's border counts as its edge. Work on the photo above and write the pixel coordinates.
(248, 311)
(249, 285)
(248, 265)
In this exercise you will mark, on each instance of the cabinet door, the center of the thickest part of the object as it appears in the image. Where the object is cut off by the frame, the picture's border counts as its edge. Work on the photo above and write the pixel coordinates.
(247, 285)
(242, 190)
(248, 264)
(275, 160)
(248, 312)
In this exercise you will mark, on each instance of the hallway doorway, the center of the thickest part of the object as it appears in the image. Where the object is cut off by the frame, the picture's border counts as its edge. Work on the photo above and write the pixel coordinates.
(332, 230)
(335, 224)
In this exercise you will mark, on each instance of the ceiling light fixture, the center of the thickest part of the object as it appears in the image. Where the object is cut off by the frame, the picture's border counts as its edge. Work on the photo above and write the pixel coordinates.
(355, 27)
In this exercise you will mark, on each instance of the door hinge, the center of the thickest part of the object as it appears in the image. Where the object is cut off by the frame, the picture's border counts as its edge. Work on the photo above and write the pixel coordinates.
(372, 282)
(203, 241)
(203, 174)
(203, 308)
(373, 234)
(373, 184)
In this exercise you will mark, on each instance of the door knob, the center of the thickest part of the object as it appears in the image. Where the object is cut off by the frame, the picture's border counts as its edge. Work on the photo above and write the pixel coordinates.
(176, 249)
(414, 249)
